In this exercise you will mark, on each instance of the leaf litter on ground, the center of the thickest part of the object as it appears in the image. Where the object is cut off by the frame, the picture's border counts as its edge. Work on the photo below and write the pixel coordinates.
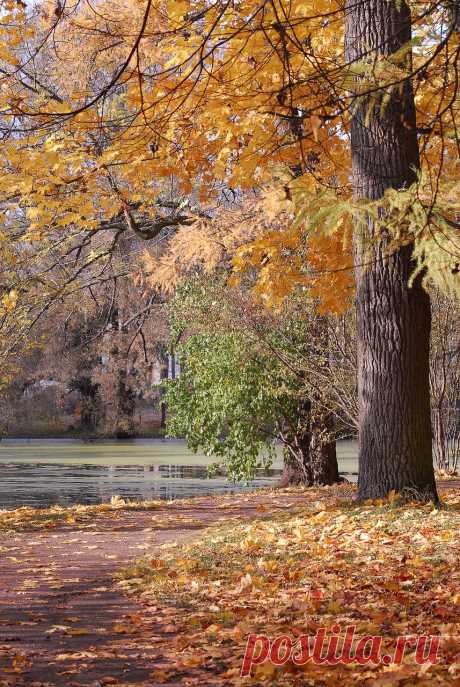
(387, 567)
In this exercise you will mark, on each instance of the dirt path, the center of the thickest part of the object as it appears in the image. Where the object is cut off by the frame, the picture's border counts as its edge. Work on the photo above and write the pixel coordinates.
(63, 621)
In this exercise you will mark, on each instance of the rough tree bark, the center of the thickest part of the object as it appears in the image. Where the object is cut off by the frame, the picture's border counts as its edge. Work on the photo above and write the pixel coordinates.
(393, 320)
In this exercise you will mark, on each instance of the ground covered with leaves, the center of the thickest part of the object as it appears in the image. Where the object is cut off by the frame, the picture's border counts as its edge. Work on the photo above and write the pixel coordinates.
(79, 607)
(388, 568)
(63, 620)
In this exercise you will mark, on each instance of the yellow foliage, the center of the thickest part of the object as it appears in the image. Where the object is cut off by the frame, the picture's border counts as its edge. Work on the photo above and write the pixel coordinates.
(239, 95)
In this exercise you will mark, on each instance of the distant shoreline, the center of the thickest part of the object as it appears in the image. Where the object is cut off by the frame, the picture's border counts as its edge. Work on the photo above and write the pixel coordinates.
(87, 439)
(82, 440)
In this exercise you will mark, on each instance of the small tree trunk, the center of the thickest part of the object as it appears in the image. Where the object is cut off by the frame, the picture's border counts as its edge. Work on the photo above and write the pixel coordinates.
(393, 320)
(163, 410)
(90, 402)
(315, 465)
(439, 439)
(87, 414)
(295, 465)
(310, 456)
(126, 405)
(323, 464)
(163, 415)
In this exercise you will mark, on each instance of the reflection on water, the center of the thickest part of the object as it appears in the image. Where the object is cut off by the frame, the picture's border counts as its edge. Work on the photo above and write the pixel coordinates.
(41, 485)
(44, 472)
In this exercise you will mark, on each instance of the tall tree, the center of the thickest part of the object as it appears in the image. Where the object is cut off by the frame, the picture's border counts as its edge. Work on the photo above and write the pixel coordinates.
(393, 318)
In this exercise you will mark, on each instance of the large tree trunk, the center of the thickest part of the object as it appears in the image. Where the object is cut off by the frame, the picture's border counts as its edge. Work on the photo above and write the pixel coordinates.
(393, 320)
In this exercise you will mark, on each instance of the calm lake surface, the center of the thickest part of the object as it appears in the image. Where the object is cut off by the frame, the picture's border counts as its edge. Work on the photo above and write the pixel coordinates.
(40, 473)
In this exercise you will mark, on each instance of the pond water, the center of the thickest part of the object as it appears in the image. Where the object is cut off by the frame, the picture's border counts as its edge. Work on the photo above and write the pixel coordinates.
(44, 472)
